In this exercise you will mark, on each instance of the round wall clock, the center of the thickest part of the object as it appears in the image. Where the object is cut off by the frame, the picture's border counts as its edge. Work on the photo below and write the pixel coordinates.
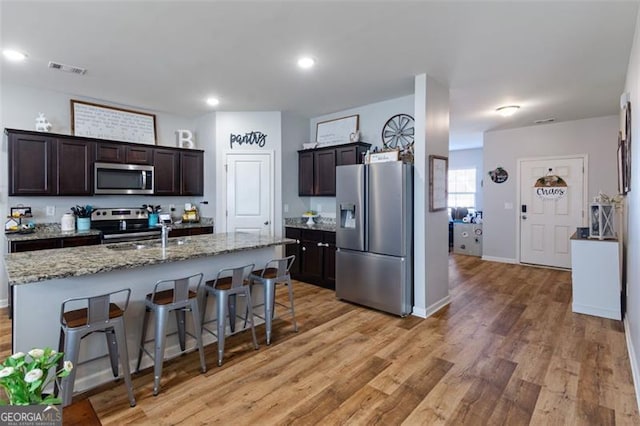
(398, 132)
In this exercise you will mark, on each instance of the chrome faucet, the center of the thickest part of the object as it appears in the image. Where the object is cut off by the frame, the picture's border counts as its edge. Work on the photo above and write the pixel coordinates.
(165, 234)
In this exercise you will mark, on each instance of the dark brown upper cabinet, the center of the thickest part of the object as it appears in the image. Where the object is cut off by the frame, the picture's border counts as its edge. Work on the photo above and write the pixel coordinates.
(74, 167)
(192, 172)
(138, 155)
(317, 167)
(167, 177)
(32, 165)
(51, 164)
(110, 152)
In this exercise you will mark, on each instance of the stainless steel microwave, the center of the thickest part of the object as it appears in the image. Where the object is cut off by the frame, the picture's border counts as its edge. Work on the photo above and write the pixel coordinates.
(113, 178)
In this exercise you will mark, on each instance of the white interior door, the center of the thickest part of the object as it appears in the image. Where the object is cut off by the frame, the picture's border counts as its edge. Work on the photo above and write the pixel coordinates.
(249, 193)
(547, 224)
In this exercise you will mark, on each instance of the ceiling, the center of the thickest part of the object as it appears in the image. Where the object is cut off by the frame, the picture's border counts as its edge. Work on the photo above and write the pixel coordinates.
(565, 60)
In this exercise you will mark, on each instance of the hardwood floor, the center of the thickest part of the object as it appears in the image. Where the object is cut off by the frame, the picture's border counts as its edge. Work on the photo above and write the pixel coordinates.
(507, 350)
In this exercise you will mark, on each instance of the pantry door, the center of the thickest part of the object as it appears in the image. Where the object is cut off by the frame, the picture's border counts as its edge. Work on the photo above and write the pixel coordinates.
(546, 224)
(250, 192)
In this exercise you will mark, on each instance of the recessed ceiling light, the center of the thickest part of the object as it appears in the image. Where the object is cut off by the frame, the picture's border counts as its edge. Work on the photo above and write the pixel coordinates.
(508, 110)
(14, 55)
(212, 101)
(306, 62)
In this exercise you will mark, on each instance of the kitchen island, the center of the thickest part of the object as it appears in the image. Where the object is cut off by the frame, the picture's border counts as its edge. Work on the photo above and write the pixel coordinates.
(40, 281)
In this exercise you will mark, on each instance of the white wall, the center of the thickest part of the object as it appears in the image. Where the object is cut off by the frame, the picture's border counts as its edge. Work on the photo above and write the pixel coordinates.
(596, 137)
(632, 237)
(431, 270)
(228, 123)
(372, 118)
(467, 159)
(295, 130)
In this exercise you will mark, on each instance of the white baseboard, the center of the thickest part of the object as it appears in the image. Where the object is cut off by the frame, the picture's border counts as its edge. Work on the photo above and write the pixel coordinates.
(4, 303)
(432, 309)
(598, 312)
(635, 368)
(499, 259)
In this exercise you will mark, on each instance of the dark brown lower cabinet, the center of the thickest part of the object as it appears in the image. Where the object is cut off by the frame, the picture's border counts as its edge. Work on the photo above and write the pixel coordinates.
(186, 232)
(315, 256)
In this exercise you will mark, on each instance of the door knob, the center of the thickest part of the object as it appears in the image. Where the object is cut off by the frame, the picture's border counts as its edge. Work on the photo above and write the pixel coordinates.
(524, 217)
(266, 222)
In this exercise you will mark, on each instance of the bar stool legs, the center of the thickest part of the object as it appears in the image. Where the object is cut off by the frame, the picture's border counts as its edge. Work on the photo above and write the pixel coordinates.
(226, 289)
(179, 299)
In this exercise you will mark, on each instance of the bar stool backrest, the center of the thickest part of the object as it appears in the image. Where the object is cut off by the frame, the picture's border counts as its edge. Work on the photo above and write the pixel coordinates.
(282, 266)
(238, 276)
(181, 287)
(97, 306)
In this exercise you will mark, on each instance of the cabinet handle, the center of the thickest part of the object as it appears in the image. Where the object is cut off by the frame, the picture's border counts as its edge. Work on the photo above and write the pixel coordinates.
(320, 244)
(297, 241)
(304, 248)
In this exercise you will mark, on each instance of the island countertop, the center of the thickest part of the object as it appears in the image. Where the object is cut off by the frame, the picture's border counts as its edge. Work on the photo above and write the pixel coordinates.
(42, 265)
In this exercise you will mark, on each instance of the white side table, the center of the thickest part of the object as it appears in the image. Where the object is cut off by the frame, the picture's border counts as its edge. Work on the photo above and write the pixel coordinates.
(596, 277)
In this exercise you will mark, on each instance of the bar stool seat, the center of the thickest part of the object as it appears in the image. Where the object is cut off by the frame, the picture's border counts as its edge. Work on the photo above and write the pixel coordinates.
(99, 315)
(225, 288)
(180, 298)
(276, 271)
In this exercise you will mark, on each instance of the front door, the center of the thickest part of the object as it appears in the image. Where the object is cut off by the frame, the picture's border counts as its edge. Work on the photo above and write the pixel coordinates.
(548, 219)
(249, 193)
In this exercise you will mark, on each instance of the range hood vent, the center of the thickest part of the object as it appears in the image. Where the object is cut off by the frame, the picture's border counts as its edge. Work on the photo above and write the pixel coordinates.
(67, 68)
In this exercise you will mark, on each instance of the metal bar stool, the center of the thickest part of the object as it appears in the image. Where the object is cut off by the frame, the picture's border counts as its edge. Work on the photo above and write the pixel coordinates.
(99, 315)
(179, 299)
(226, 287)
(276, 271)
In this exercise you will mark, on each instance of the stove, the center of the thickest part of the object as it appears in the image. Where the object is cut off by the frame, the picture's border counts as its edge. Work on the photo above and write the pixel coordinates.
(120, 224)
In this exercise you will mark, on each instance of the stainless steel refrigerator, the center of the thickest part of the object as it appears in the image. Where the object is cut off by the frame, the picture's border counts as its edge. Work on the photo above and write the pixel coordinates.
(374, 235)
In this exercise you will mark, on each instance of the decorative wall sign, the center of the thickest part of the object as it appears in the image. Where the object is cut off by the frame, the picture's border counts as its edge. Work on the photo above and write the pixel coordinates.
(437, 182)
(550, 187)
(249, 138)
(499, 175)
(105, 122)
(332, 132)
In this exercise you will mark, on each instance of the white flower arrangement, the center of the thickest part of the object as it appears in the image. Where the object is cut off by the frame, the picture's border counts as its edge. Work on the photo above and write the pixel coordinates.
(23, 377)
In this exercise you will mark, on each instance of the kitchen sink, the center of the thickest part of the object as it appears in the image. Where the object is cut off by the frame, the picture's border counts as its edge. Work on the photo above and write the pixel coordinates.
(132, 246)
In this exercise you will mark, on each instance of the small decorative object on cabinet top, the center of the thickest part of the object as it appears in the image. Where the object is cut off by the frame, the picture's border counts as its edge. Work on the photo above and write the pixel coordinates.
(42, 124)
(184, 139)
(601, 221)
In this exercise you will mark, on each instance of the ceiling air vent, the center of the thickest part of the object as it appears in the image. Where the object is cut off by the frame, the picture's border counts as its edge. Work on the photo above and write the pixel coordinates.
(67, 68)
(545, 120)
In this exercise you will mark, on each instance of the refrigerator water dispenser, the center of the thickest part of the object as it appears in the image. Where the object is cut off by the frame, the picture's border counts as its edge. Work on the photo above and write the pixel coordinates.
(348, 216)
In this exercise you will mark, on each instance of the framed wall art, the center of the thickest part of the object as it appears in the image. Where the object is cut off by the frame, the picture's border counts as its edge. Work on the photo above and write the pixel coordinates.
(438, 166)
(118, 124)
(337, 131)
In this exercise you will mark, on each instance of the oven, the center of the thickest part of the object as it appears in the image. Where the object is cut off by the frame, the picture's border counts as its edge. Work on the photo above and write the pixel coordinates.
(123, 179)
(120, 224)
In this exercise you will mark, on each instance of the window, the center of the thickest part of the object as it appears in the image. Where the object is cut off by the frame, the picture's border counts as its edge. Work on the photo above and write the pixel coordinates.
(462, 188)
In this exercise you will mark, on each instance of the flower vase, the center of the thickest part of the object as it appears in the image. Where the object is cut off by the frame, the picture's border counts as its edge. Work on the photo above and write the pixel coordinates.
(83, 223)
(153, 219)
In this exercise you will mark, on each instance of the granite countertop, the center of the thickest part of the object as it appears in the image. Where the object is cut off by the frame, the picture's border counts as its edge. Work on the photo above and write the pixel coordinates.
(52, 230)
(42, 265)
(49, 230)
(324, 224)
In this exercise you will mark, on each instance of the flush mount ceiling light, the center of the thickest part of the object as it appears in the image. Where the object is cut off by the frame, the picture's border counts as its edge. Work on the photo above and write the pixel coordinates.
(508, 110)
(306, 62)
(212, 101)
(14, 55)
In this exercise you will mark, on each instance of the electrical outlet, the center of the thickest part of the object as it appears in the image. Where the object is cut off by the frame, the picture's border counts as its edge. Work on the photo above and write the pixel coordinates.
(51, 210)
(286, 208)
(319, 208)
